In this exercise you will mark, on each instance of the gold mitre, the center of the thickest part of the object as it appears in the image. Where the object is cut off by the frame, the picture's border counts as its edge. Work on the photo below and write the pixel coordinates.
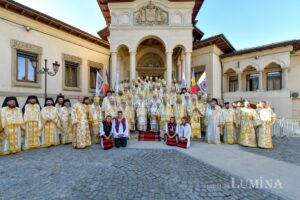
(123, 100)
(96, 100)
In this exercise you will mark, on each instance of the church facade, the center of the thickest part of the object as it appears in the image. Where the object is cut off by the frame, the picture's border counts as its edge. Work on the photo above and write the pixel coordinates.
(157, 38)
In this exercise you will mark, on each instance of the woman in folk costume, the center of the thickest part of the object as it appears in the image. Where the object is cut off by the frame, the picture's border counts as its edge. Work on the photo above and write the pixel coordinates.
(106, 135)
(248, 120)
(32, 122)
(66, 122)
(132, 113)
(81, 130)
(268, 118)
(184, 133)
(12, 122)
(195, 112)
(154, 113)
(165, 113)
(141, 113)
(229, 124)
(95, 117)
(110, 109)
(171, 132)
(51, 123)
(214, 122)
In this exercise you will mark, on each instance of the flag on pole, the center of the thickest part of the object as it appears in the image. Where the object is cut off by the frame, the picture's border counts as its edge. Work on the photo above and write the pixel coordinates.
(194, 86)
(183, 82)
(117, 83)
(106, 82)
(99, 84)
(202, 83)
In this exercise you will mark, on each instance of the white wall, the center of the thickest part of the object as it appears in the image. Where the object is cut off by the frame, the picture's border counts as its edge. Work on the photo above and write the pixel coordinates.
(54, 43)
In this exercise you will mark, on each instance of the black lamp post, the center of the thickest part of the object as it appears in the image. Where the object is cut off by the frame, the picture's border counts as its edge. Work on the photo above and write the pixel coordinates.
(46, 71)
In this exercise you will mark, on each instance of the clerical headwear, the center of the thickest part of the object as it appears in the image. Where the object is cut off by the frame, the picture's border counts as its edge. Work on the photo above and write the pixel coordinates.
(49, 99)
(96, 100)
(7, 99)
(27, 102)
(123, 100)
(66, 101)
(58, 97)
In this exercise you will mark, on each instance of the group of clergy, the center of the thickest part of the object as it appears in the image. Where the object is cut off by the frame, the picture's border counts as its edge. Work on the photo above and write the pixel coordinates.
(142, 105)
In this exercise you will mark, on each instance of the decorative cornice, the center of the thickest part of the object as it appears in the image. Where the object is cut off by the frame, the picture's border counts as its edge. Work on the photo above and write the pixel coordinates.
(94, 64)
(23, 46)
(70, 58)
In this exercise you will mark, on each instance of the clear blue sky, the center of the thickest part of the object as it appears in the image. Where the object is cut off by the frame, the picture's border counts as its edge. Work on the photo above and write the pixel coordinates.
(246, 23)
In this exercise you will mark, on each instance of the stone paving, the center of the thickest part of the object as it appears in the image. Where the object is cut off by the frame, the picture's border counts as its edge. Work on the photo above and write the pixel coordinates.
(284, 149)
(65, 173)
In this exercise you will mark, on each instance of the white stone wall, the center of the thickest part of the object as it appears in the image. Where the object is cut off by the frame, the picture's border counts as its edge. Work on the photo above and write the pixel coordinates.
(54, 44)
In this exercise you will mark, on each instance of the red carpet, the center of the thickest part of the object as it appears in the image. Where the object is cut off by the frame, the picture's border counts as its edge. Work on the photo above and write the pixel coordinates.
(148, 136)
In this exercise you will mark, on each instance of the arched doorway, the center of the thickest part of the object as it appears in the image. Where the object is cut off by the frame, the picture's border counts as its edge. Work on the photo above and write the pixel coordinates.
(151, 58)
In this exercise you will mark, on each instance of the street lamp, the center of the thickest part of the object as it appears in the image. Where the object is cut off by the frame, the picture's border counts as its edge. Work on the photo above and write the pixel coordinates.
(45, 70)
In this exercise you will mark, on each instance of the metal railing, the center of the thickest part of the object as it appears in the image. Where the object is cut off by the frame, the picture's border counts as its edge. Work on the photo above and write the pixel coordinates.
(286, 128)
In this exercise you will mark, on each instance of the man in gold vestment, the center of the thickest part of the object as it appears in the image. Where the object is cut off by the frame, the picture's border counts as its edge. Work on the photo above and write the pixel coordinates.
(50, 123)
(95, 115)
(12, 121)
(229, 124)
(110, 108)
(248, 121)
(195, 113)
(179, 110)
(267, 118)
(81, 130)
(32, 122)
(165, 113)
(66, 122)
(214, 122)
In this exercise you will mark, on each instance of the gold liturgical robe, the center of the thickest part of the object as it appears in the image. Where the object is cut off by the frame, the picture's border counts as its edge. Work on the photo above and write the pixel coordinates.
(179, 112)
(66, 124)
(33, 126)
(95, 115)
(165, 113)
(51, 124)
(248, 120)
(229, 125)
(81, 130)
(12, 121)
(268, 118)
(195, 112)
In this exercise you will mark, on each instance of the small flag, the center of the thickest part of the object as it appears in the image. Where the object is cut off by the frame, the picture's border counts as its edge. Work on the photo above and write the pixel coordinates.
(202, 83)
(194, 86)
(99, 84)
(106, 82)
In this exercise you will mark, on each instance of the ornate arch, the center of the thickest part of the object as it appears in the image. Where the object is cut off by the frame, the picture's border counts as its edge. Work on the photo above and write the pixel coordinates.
(143, 38)
(276, 61)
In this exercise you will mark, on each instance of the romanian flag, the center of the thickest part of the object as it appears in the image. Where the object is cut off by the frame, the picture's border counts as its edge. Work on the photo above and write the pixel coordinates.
(194, 86)
(106, 82)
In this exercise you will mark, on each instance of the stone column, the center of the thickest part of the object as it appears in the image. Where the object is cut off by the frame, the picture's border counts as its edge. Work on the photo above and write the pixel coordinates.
(285, 80)
(260, 87)
(179, 70)
(240, 89)
(113, 71)
(182, 67)
(169, 69)
(132, 65)
(188, 62)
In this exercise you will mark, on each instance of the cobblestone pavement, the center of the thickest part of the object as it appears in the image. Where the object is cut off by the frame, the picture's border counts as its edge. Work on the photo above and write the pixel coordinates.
(65, 173)
(284, 149)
